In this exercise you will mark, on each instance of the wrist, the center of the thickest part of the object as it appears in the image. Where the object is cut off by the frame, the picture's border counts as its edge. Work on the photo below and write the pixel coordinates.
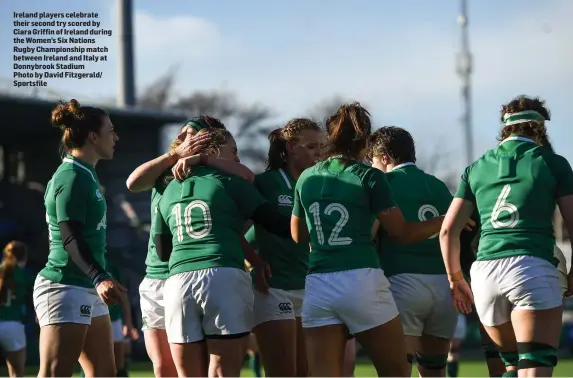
(100, 278)
(172, 156)
(455, 277)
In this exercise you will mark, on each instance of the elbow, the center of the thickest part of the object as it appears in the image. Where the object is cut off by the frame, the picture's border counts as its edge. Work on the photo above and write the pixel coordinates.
(132, 186)
(445, 233)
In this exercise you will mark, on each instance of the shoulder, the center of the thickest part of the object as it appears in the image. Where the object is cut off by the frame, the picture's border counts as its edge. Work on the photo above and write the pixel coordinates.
(308, 173)
(263, 179)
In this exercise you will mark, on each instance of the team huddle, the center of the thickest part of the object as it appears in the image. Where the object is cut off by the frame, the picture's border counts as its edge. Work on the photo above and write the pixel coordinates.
(342, 237)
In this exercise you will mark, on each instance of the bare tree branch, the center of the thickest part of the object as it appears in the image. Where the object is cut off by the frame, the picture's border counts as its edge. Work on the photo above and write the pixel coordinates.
(157, 95)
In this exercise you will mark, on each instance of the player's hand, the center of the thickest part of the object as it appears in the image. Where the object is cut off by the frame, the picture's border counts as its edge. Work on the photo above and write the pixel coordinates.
(192, 145)
(462, 296)
(110, 291)
(183, 167)
(262, 273)
(469, 225)
(130, 332)
(569, 291)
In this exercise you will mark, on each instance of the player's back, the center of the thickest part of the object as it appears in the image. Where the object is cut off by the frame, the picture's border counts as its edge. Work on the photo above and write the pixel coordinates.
(339, 215)
(515, 187)
(420, 196)
(206, 218)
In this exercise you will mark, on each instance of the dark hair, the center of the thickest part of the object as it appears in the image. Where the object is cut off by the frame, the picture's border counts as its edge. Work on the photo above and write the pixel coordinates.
(393, 141)
(204, 122)
(531, 128)
(278, 139)
(76, 122)
(13, 253)
(348, 130)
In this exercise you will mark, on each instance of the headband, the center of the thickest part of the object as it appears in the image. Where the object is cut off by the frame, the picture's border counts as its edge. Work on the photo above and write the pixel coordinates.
(522, 117)
(198, 124)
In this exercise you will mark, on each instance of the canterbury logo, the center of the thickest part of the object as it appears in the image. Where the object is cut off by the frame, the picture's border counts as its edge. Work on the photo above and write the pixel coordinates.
(85, 311)
(98, 194)
(285, 200)
(285, 307)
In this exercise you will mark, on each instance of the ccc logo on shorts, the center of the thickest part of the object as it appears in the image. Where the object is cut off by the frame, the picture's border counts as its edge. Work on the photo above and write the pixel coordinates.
(285, 308)
(85, 310)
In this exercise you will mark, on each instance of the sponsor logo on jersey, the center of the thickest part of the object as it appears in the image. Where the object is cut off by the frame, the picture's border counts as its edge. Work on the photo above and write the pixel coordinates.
(86, 311)
(99, 195)
(285, 308)
(285, 200)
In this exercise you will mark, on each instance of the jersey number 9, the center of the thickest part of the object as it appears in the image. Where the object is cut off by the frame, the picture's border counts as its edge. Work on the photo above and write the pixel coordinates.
(333, 239)
(185, 219)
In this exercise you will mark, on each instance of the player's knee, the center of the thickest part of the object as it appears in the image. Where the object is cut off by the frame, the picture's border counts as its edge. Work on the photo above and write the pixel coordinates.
(490, 350)
(533, 355)
(432, 362)
(509, 358)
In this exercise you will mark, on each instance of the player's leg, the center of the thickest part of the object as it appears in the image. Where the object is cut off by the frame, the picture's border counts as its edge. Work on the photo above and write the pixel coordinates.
(537, 297)
(183, 325)
(494, 309)
(495, 365)
(254, 355)
(13, 346)
(453, 353)
(64, 314)
(415, 302)
(377, 319)
(97, 357)
(153, 327)
(439, 328)
(118, 348)
(349, 363)
(324, 332)
(276, 332)
(302, 369)
(226, 299)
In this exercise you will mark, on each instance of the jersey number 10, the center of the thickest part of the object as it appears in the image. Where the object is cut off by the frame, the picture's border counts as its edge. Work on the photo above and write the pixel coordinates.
(184, 219)
(333, 239)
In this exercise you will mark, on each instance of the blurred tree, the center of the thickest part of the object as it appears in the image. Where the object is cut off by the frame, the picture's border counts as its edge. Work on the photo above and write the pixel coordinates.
(250, 123)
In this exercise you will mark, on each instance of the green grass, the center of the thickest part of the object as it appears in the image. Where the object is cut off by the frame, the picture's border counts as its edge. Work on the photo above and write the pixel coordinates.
(363, 369)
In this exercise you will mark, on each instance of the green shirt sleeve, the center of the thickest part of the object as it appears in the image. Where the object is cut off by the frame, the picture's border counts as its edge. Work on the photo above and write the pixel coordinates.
(464, 190)
(245, 195)
(72, 192)
(297, 209)
(160, 226)
(250, 237)
(561, 170)
(381, 196)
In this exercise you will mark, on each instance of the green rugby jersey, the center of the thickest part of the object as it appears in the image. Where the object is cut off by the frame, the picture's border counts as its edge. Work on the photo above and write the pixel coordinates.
(288, 260)
(156, 268)
(338, 200)
(420, 196)
(515, 187)
(73, 194)
(13, 308)
(205, 214)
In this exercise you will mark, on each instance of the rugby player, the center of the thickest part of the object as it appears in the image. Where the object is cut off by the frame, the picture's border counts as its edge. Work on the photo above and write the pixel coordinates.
(72, 292)
(346, 291)
(208, 295)
(14, 289)
(514, 188)
(278, 329)
(416, 272)
(152, 176)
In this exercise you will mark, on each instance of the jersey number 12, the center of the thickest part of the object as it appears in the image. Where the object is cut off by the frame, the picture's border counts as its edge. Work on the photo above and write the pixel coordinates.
(333, 239)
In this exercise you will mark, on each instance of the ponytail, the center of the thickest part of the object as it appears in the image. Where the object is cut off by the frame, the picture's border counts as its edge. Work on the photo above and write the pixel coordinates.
(277, 156)
(13, 253)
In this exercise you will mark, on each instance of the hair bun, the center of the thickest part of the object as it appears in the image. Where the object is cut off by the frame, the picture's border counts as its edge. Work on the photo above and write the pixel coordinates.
(66, 114)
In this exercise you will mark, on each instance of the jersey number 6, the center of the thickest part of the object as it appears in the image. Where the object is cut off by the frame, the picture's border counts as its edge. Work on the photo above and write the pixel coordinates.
(502, 205)
(334, 239)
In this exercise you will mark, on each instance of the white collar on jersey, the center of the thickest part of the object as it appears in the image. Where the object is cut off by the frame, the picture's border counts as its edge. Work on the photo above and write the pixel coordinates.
(78, 164)
(519, 138)
(402, 165)
(285, 177)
